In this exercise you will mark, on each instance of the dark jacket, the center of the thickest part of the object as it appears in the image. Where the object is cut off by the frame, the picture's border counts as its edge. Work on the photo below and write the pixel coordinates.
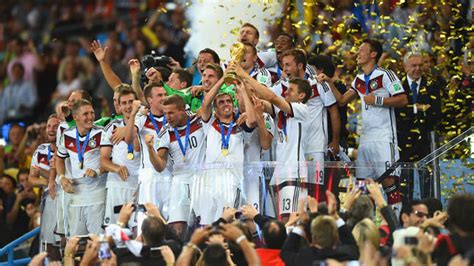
(448, 246)
(292, 254)
(148, 256)
(413, 129)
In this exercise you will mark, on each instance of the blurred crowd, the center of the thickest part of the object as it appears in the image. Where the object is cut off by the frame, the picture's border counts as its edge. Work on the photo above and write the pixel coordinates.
(46, 55)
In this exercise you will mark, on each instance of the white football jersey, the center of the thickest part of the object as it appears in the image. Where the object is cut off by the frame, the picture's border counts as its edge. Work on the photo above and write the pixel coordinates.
(317, 124)
(252, 148)
(42, 157)
(63, 126)
(144, 127)
(215, 152)
(119, 157)
(68, 148)
(262, 75)
(237, 139)
(195, 151)
(378, 122)
(291, 139)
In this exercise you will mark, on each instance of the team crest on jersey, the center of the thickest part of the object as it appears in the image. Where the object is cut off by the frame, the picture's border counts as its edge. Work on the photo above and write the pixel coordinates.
(373, 85)
(92, 143)
(267, 125)
(263, 79)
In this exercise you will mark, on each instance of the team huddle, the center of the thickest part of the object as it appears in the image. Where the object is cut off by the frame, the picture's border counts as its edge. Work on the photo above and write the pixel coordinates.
(192, 150)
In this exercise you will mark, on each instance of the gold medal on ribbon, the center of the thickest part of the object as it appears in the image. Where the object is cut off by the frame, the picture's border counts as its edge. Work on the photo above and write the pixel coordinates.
(130, 156)
(225, 152)
(184, 158)
(81, 165)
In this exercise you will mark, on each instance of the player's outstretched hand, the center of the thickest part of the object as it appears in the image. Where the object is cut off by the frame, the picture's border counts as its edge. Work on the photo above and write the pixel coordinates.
(134, 66)
(98, 51)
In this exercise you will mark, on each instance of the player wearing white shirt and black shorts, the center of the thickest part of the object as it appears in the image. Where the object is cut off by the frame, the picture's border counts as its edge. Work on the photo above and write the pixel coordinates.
(120, 160)
(380, 91)
(81, 144)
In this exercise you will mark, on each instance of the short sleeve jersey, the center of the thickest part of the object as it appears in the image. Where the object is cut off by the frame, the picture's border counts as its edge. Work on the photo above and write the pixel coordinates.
(290, 133)
(316, 125)
(195, 150)
(68, 148)
(63, 126)
(145, 126)
(42, 157)
(378, 122)
(253, 148)
(237, 138)
(119, 154)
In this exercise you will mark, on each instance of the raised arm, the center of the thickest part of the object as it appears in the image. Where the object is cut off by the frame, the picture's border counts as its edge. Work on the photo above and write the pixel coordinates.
(130, 130)
(206, 107)
(251, 120)
(264, 136)
(262, 91)
(100, 53)
(134, 65)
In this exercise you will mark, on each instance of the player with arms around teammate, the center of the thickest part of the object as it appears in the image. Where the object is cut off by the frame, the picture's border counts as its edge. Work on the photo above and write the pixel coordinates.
(320, 103)
(380, 91)
(86, 186)
(120, 160)
(291, 113)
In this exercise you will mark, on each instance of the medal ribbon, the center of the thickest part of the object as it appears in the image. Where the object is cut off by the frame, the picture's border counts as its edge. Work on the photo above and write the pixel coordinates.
(226, 136)
(367, 79)
(81, 149)
(186, 138)
(155, 125)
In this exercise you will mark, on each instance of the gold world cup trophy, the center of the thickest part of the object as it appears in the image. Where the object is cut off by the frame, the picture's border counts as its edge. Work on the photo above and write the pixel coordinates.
(237, 52)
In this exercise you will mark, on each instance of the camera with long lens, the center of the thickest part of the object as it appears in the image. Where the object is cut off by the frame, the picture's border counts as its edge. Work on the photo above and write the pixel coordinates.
(153, 60)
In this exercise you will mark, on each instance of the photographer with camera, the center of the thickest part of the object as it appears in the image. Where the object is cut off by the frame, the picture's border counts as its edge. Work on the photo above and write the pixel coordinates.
(159, 244)
(216, 251)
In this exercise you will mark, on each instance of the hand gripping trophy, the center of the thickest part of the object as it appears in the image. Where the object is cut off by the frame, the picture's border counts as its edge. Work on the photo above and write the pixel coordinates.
(237, 52)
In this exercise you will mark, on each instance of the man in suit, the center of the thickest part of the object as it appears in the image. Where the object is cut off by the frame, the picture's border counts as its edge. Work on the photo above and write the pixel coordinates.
(421, 115)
